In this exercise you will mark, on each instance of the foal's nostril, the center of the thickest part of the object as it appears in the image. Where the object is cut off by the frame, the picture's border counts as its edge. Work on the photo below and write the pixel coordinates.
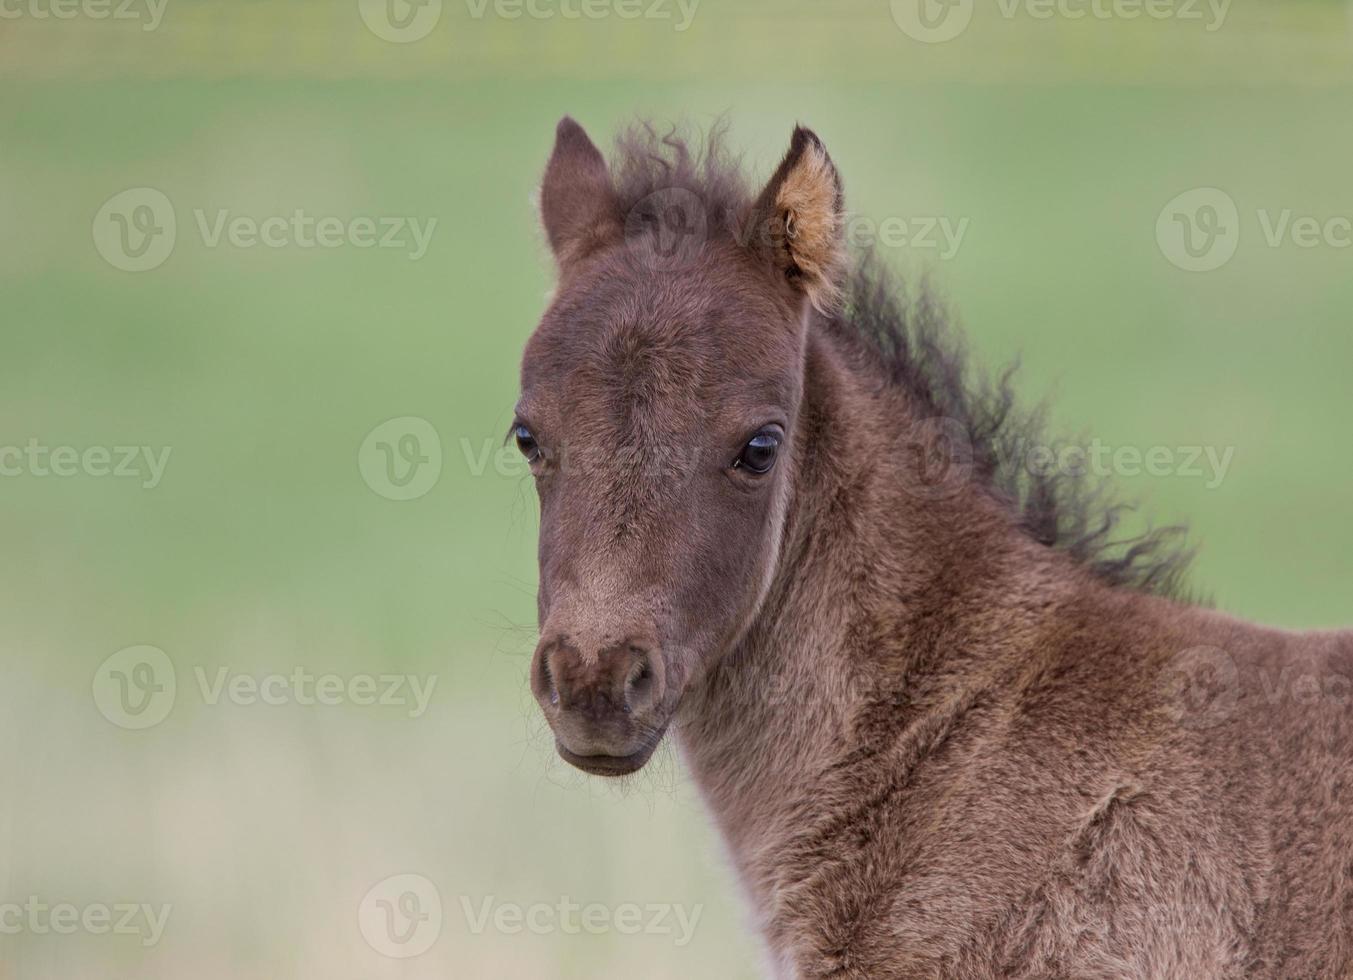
(550, 685)
(545, 680)
(637, 681)
(640, 682)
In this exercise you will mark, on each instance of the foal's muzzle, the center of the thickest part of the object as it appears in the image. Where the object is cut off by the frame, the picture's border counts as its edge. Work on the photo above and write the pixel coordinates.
(604, 705)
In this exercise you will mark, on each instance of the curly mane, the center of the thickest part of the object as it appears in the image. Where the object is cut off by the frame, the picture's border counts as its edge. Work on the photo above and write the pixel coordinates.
(918, 348)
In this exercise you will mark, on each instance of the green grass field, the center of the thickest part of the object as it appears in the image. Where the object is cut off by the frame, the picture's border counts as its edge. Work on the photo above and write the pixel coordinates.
(256, 830)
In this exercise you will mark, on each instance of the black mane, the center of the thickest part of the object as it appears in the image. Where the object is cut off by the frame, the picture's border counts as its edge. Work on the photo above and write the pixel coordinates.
(920, 350)
(647, 162)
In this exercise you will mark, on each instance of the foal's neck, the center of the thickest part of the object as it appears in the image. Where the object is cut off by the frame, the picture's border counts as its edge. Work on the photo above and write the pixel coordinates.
(892, 597)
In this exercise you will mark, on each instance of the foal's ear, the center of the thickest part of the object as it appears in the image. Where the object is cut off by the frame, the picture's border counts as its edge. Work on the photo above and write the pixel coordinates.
(798, 222)
(577, 202)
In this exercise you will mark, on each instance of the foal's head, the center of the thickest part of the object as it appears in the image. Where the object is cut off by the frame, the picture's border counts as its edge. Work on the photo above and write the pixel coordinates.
(660, 414)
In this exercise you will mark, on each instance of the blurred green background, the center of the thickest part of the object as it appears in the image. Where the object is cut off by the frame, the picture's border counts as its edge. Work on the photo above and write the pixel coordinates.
(270, 542)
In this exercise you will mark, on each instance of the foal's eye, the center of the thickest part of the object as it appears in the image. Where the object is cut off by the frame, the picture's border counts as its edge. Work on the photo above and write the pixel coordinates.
(758, 456)
(526, 443)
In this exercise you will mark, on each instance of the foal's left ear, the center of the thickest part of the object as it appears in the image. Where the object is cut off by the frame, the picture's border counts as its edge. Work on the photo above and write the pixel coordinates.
(798, 222)
(577, 200)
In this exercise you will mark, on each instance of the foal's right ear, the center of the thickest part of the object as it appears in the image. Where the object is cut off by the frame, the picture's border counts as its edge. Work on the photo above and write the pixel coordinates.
(800, 220)
(577, 201)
